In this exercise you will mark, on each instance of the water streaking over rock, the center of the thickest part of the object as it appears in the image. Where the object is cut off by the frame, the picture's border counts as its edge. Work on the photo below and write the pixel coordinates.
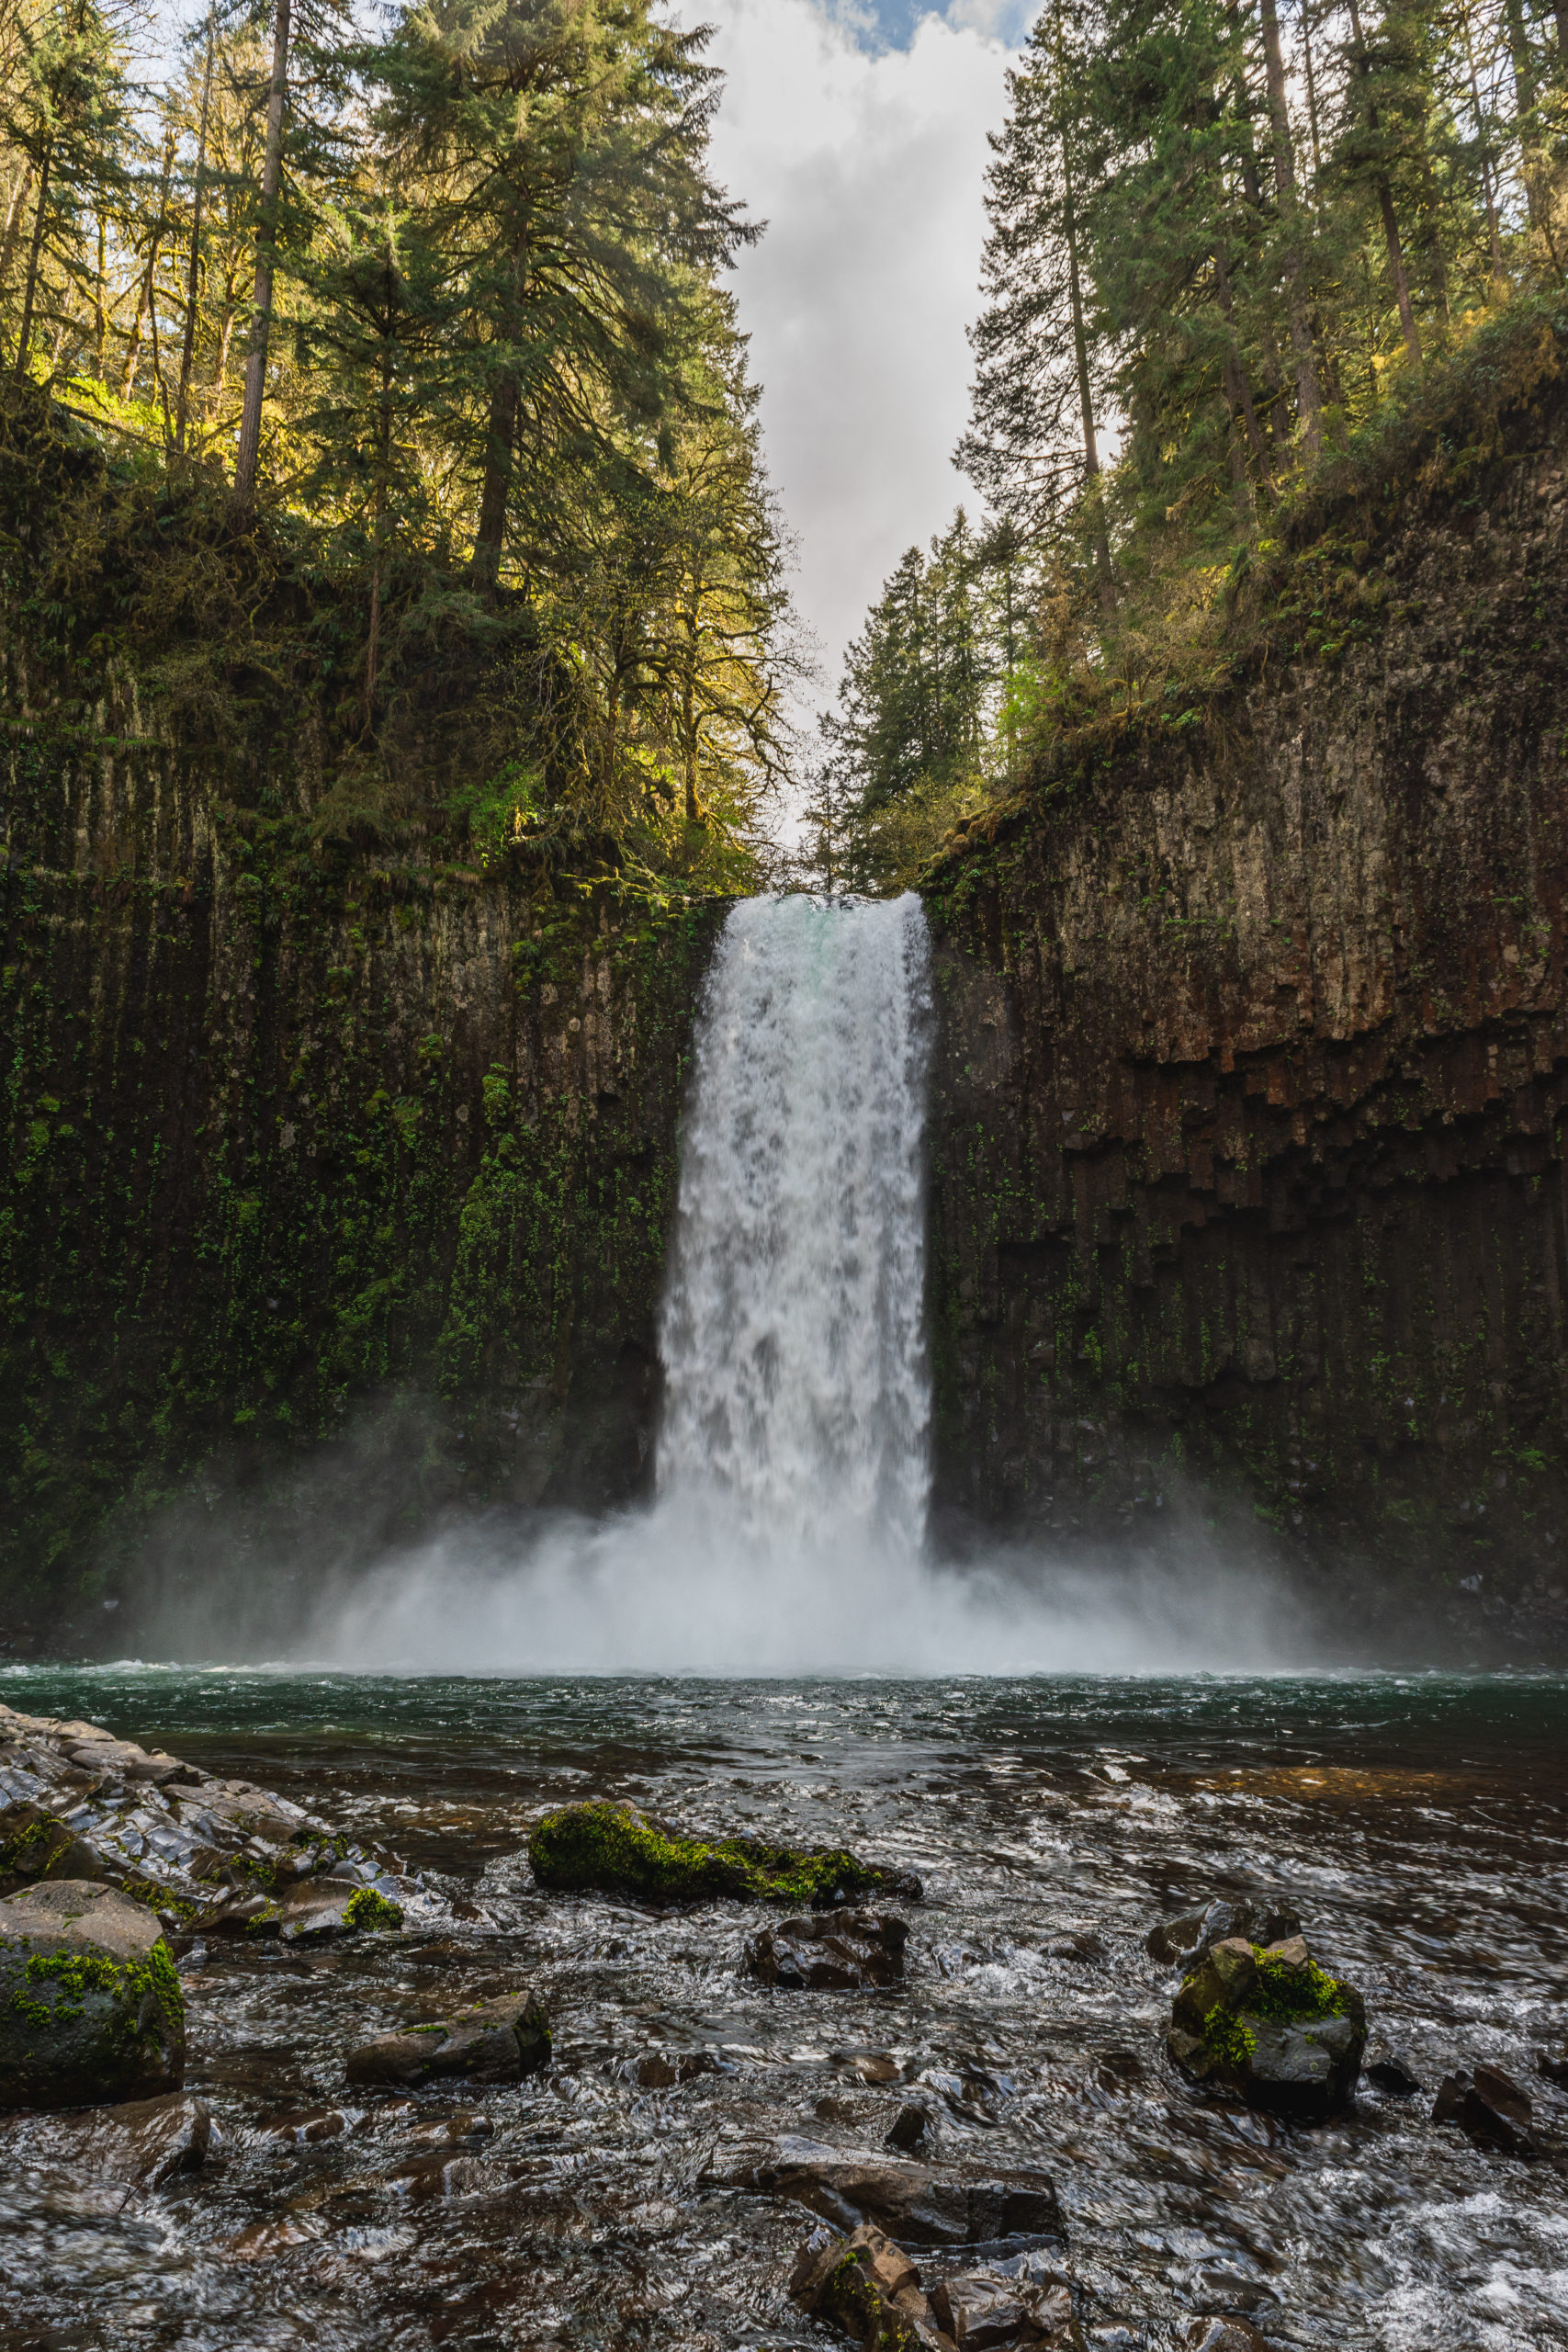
(797, 1388)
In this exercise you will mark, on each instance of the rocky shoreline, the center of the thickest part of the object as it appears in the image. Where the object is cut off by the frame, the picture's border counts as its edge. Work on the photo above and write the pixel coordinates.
(124, 1869)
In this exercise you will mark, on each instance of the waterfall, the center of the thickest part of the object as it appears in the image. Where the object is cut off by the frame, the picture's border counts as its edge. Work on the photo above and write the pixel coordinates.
(797, 1393)
(787, 1533)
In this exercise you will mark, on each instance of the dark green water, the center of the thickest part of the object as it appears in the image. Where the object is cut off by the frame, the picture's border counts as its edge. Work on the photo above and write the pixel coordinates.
(1420, 1824)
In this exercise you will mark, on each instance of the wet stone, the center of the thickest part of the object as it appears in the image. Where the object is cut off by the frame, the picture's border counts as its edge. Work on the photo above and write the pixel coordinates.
(1267, 1920)
(831, 1952)
(914, 2203)
(1269, 2027)
(867, 2287)
(142, 2143)
(90, 2006)
(1490, 2109)
(1222, 2334)
(1554, 2064)
(659, 2072)
(496, 2042)
(913, 2129)
(322, 1908)
(1392, 2072)
(982, 2311)
(306, 2131)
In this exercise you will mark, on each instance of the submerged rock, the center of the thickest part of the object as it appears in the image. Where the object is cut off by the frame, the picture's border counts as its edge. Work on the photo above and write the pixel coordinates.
(496, 2042)
(912, 2203)
(1554, 2064)
(90, 2006)
(146, 2141)
(1267, 2023)
(1223, 2334)
(616, 1849)
(982, 2310)
(1267, 1920)
(1490, 2109)
(833, 1951)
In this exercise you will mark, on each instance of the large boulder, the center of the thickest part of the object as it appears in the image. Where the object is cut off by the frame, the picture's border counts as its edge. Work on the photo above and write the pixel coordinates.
(1265, 2022)
(90, 2006)
(496, 2042)
(831, 1952)
(616, 1849)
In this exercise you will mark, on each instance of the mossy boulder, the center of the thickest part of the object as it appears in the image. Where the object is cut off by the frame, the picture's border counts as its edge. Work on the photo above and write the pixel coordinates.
(90, 2006)
(1266, 2023)
(616, 1849)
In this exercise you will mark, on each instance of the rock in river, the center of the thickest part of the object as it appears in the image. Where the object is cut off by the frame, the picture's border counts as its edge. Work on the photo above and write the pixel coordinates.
(496, 2042)
(833, 1952)
(867, 2287)
(616, 1849)
(1267, 2023)
(912, 2203)
(90, 2006)
(1267, 1920)
(1490, 2109)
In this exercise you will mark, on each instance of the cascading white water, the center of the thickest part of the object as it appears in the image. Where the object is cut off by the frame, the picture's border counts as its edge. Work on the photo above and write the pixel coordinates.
(788, 1532)
(796, 1374)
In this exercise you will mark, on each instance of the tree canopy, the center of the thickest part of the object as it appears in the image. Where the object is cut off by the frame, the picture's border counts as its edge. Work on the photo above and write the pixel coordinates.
(442, 312)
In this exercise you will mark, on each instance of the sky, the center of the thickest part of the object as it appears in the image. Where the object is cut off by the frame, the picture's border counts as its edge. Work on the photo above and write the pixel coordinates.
(859, 135)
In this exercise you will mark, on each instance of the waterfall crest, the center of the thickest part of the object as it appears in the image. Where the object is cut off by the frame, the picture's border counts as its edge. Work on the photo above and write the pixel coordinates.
(797, 1391)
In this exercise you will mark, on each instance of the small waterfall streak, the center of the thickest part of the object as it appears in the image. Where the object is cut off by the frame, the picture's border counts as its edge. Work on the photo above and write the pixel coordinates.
(797, 1393)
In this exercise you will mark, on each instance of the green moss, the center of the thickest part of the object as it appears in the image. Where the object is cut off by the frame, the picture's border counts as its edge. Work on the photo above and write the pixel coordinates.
(369, 1909)
(614, 1850)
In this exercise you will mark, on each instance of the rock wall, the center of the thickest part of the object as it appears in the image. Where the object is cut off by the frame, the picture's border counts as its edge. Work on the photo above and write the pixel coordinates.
(335, 1184)
(1247, 1139)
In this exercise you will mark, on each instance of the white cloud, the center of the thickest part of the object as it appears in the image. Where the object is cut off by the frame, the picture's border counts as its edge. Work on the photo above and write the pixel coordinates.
(868, 169)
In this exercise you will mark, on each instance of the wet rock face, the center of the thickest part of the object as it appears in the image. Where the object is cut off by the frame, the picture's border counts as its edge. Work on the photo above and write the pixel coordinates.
(208, 1856)
(1246, 1139)
(617, 1849)
(496, 2041)
(835, 1951)
(1268, 2024)
(90, 2006)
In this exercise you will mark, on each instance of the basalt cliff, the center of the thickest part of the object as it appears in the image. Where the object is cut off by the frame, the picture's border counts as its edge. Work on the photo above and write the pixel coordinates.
(339, 1183)
(1247, 1139)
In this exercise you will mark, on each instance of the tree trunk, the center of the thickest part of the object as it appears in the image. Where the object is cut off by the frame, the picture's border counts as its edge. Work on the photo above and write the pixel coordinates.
(1309, 401)
(35, 251)
(490, 534)
(1238, 392)
(100, 303)
(1385, 207)
(1086, 393)
(1499, 273)
(266, 247)
(193, 276)
(500, 434)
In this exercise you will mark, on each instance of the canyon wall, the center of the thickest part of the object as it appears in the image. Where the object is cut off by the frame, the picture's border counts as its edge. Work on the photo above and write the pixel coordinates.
(1247, 1139)
(338, 1187)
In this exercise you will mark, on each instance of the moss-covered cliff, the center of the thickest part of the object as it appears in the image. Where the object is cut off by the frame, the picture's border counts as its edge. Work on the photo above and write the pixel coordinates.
(302, 1140)
(1248, 1165)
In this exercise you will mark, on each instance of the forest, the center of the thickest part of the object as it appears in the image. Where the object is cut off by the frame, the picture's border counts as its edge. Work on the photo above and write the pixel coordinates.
(372, 379)
(1237, 262)
(391, 382)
